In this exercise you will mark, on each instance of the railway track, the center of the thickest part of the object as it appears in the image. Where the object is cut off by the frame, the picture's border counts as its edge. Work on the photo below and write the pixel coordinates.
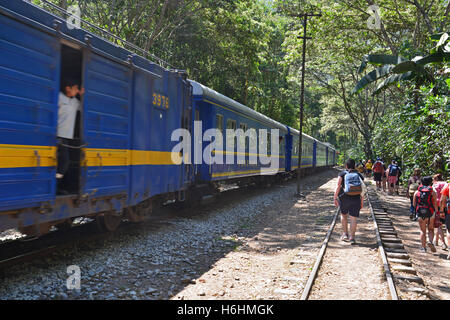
(389, 246)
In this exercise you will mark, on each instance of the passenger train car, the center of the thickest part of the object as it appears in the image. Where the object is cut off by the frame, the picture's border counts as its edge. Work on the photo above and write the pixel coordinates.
(121, 158)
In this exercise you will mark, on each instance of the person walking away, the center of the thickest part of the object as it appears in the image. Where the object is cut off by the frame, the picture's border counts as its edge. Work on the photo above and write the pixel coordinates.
(360, 167)
(397, 184)
(392, 177)
(369, 168)
(425, 203)
(413, 186)
(445, 207)
(384, 177)
(378, 172)
(348, 195)
(438, 186)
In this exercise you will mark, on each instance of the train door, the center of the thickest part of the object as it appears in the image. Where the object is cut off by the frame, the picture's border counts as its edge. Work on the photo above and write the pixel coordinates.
(69, 124)
(29, 86)
(106, 126)
(186, 98)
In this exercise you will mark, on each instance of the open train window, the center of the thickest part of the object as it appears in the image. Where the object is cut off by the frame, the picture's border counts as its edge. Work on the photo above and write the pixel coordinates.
(219, 126)
(69, 121)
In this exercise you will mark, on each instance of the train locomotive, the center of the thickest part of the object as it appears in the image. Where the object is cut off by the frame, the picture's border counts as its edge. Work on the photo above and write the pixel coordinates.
(122, 161)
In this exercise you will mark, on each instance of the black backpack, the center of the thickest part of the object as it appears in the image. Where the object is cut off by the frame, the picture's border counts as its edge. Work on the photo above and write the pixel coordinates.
(424, 203)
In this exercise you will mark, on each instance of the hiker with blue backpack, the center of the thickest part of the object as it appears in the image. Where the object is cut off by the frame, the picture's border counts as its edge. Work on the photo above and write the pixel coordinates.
(348, 195)
(392, 173)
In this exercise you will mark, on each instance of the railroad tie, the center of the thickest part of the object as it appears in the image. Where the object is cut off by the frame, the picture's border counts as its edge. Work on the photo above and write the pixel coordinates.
(395, 250)
(393, 245)
(409, 278)
(390, 240)
(405, 262)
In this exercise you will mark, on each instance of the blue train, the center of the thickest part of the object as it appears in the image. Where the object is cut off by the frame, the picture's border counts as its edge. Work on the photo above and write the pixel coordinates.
(121, 158)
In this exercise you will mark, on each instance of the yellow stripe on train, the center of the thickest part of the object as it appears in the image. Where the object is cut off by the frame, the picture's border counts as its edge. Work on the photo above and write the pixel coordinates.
(25, 156)
(29, 156)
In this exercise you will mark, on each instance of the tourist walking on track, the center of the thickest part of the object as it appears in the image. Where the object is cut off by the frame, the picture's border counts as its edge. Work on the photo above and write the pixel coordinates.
(384, 177)
(397, 184)
(348, 196)
(438, 186)
(378, 172)
(361, 167)
(392, 177)
(425, 203)
(413, 186)
(445, 207)
(369, 168)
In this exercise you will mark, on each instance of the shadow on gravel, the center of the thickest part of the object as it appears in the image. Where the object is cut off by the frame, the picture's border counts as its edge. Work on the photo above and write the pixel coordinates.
(172, 279)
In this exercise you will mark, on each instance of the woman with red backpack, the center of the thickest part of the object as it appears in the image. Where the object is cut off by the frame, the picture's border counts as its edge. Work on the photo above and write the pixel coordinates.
(378, 172)
(438, 186)
(445, 207)
(425, 202)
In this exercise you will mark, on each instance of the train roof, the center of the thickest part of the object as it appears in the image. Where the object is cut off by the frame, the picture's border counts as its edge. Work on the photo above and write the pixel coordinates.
(296, 132)
(205, 92)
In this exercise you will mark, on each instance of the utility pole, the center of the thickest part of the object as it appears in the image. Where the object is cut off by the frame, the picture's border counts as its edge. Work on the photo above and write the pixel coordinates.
(302, 94)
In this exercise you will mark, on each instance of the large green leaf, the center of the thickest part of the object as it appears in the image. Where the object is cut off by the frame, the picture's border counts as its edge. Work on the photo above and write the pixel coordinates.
(371, 77)
(379, 59)
(435, 58)
(437, 36)
(393, 79)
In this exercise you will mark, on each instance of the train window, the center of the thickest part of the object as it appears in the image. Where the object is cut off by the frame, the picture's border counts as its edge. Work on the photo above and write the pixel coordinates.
(269, 142)
(219, 122)
(282, 146)
(219, 126)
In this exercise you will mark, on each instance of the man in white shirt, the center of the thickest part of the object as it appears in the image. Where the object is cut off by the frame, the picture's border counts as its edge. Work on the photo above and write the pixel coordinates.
(68, 105)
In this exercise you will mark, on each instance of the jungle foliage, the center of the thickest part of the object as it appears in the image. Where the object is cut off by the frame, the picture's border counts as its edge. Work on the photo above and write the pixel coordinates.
(250, 50)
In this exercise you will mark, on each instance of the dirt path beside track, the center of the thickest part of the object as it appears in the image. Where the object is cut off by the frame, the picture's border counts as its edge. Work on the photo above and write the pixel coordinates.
(276, 261)
(433, 268)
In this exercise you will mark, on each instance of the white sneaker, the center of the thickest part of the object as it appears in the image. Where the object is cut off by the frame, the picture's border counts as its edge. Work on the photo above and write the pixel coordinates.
(59, 176)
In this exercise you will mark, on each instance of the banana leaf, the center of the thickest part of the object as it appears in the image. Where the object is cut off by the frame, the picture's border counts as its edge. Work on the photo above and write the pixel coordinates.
(379, 59)
(393, 79)
(437, 36)
(435, 58)
(408, 66)
(371, 77)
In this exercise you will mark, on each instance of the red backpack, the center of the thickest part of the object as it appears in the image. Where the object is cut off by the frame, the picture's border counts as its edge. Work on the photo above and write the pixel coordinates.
(378, 167)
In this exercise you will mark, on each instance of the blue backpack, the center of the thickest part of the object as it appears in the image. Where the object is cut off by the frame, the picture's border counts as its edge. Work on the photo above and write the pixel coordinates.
(352, 184)
(393, 170)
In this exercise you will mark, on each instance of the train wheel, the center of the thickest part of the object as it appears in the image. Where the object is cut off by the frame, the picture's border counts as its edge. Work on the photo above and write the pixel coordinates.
(108, 222)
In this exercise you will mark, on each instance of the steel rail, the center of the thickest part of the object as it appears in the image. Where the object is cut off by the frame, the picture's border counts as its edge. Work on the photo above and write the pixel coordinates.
(387, 270)
(314, 271)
